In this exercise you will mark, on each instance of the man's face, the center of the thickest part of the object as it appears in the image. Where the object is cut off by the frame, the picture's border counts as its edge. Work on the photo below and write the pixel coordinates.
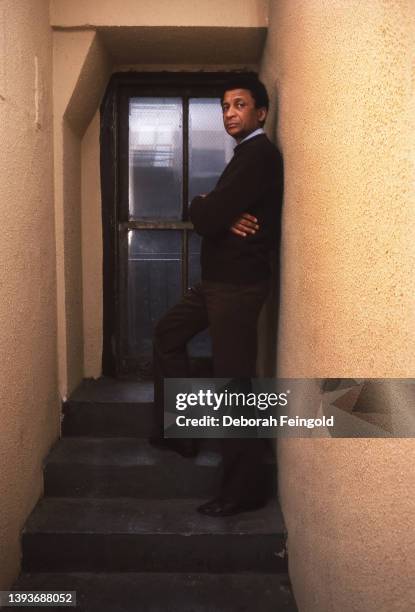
(240, 116)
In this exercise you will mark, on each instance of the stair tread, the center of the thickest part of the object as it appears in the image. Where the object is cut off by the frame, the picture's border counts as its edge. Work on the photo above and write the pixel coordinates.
(163, 592)
(122, 451)
(146, 517)
(125, 451)
(112, 390)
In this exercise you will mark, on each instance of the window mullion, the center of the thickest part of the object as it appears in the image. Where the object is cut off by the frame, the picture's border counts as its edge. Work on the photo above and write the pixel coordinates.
(185, 200)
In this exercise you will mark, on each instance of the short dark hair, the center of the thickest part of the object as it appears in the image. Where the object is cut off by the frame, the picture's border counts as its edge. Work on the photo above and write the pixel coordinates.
(250, 82)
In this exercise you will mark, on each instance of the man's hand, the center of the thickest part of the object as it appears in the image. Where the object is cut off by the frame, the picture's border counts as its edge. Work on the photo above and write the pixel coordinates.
(246, 224)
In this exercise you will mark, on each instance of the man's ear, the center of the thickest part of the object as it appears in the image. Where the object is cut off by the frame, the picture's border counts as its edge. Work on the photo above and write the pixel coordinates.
(262, 114)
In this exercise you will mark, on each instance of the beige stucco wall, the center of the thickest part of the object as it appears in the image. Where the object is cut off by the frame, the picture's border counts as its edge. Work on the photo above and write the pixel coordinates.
(344, 73)
(29, 399)
(92, 250)
(81, 69)
(182, 13)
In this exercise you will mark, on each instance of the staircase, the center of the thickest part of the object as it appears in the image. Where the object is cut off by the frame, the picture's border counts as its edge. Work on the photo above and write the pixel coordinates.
(117, 523)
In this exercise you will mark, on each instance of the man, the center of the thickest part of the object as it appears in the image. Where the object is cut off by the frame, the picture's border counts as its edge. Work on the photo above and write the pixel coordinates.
(239, 222)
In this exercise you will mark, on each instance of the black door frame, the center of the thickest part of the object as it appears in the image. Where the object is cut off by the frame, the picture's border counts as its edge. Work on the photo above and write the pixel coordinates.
(114, 169)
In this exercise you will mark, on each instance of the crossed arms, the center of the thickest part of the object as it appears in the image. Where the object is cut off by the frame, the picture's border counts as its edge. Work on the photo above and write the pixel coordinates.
(225, 208)
(244, 225)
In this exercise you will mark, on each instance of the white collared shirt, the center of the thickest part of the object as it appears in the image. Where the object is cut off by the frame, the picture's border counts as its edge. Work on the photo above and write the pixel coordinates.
(252, 134)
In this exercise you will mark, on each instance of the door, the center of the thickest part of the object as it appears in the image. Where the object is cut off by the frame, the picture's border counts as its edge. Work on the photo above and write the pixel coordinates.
(171, 147)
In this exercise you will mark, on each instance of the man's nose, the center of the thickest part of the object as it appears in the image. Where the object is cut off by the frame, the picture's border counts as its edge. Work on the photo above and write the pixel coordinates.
(229, 112)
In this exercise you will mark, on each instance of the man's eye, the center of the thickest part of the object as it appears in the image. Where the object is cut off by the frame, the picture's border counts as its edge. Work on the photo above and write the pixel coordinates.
(241, 104)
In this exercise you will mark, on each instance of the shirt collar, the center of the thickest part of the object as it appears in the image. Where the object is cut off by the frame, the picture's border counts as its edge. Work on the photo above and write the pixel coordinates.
(251, 135)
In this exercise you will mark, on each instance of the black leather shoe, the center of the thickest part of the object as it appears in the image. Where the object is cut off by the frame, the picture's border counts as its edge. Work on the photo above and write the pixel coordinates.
(219, 507)
(184, 447)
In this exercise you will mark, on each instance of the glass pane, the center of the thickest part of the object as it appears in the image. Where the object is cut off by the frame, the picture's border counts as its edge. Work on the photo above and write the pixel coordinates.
(210, 147)
(155, 158)
(154, 283)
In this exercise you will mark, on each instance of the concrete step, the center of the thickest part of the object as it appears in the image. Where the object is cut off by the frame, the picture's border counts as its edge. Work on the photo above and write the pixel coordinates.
(123, 534)
(170, 592)
(127, 467)
(107, 407)
(130, 467)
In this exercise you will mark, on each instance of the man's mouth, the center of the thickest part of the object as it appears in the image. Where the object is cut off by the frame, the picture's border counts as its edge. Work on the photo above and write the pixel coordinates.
(231, 125)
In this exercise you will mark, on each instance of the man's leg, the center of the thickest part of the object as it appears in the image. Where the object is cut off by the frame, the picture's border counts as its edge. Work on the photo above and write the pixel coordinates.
(233, 313)
(171, 335)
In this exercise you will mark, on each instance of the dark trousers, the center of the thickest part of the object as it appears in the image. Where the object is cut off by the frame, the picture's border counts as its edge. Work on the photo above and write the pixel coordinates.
(231, 312)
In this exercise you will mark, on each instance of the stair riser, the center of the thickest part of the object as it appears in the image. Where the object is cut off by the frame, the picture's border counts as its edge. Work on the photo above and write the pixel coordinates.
(147, 482)
(108, 419)
(156, 592)
(152, 553)
(144, 482)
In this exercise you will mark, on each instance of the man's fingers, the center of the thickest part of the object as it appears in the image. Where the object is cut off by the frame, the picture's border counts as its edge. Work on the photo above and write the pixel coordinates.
(246, 224)
(248, 221)
(244, 228)
(234, 230)
(249, 217)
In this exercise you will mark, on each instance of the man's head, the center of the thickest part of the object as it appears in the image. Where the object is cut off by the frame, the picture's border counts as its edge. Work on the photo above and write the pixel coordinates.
(244, 104)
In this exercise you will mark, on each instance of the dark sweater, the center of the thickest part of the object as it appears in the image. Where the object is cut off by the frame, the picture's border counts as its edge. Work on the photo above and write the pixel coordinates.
(252, 182)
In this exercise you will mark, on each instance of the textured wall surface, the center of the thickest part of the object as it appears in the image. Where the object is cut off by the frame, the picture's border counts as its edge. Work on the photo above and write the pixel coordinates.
(349, 509)
(29, 401)
(81, 72)
(344, 74)
(247, 13)
(92, 250)
(191, 45)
